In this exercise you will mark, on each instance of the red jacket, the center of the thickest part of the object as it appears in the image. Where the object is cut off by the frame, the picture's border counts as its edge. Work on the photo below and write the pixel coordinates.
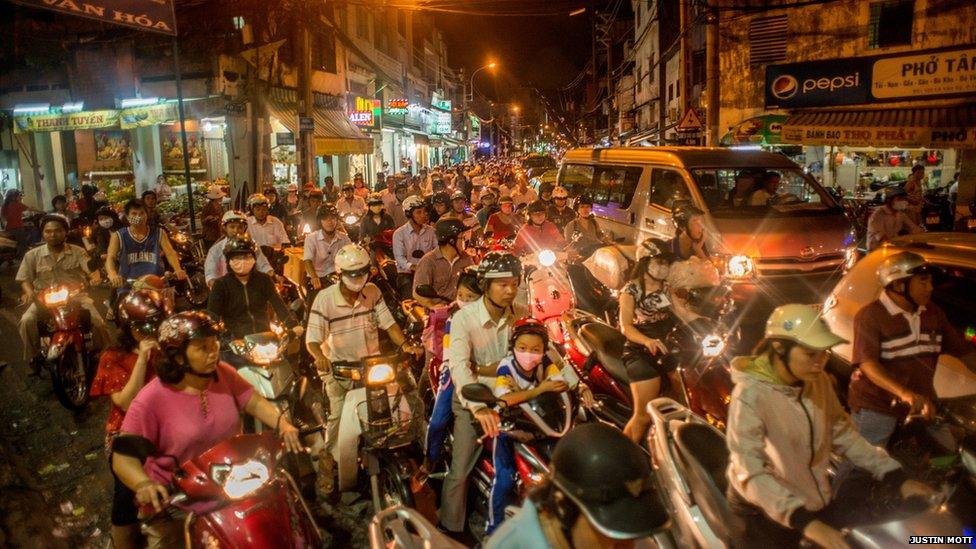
(532, 238)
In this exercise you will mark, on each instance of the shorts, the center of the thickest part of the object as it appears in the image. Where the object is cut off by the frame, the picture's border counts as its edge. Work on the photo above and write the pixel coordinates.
(124, 510)
(642, 366)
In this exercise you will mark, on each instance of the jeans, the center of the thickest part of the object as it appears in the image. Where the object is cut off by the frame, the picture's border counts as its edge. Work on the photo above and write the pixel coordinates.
(503, 483)
(440, 417)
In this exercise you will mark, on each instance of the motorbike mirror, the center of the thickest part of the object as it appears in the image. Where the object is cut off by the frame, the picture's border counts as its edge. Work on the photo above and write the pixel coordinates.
(134, 446)
(479, 392)
(428, 291)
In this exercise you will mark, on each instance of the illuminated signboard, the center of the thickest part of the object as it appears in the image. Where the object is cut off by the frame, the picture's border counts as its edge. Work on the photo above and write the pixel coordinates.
(442, 122)
(396, 106)
(438, 102)
(366, 113)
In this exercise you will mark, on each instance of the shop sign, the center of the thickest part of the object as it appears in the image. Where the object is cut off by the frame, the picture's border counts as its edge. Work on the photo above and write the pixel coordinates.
(861, 80)
(284, 138)
(151, 115)
(153, 16)
(438, 102)
(475, 124)
(441, 122)
(882, 137)
(366, 113)
(397, 106)
(171, 146)
(85, 120)
(306, 124)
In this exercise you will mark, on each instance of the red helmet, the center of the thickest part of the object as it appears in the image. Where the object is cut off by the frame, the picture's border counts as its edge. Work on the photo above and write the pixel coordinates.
(143, 310)
(528, 325)
(180, 328)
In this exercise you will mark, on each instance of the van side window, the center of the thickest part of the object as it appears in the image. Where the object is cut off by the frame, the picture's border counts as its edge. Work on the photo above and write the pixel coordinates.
(576, 178)
(615, 185)
(667, 187)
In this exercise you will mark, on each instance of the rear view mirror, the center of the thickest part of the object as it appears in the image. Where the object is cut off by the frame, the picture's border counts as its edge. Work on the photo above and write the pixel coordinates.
(479, 392)
(134, 446)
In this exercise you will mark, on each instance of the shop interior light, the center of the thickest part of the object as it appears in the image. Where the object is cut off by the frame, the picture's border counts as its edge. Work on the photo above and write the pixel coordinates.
(77, 106)
(139, 101)
(32, 108)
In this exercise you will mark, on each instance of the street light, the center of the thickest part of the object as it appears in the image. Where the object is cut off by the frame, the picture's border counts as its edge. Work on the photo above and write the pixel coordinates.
(471, 81)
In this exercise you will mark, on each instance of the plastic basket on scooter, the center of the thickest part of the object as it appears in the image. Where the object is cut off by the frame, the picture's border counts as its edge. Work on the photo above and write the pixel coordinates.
(399, 425)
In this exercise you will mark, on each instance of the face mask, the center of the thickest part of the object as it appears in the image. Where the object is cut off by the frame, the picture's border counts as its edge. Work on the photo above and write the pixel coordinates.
(136, 219)
(292, 199)
(899, 205)
(658, 272)
(354, 284)
(242, 265)
(528, 361)
(105, 223)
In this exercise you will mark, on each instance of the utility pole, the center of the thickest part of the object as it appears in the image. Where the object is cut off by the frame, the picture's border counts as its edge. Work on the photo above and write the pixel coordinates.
(606, 40)
(306, 139)
(662, 78)
(684, 56)
(711, 77)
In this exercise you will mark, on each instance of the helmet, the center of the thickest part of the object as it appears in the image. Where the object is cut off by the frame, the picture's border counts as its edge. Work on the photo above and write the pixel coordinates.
(442, 198)
(458, 195)
(57, 218)
(315, 193)
(546, 188)
(528, 325)
(802, 324)
(536, 206)
(232, 215)
(352, 260)
(506, 200)
(177, 330)
(682, 214)
(269, 191)
(468, 277)
(374, 199)
(892, 193)
(585, 198)
(560, 192)
(141, 309)
(609, 478)
(498, 264)
(348, 186)
(400, 184)
(240, 246)
(655, 247)
(326, 210)
(412, 203)
(292, 188)
(256, 199)
(447, 230)
(901, 266)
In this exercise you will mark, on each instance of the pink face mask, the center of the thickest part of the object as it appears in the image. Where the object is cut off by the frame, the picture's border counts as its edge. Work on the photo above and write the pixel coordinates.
(528, 361)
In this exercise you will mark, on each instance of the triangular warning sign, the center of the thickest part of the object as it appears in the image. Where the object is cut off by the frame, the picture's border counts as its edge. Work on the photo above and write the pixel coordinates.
(690, 121)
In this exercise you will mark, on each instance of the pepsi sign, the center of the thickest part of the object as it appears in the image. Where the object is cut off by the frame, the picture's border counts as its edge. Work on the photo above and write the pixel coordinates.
(819, 83)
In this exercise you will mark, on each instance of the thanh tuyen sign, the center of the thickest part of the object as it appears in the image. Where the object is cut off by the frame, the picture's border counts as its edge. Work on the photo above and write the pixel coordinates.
(147, 15)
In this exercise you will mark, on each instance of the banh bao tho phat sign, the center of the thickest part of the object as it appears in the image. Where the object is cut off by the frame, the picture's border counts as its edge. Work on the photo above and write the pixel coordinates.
(863, 80)
(895, 137)
(152, 15)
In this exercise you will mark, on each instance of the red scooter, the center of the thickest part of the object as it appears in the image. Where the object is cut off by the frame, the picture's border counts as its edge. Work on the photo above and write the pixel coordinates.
(236, 494)
(66, 348)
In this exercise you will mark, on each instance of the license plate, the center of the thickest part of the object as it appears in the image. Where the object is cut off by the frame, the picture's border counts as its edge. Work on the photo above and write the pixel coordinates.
(931, 220)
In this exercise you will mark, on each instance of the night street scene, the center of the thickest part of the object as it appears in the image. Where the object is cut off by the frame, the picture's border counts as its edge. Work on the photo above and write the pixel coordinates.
(511, 274)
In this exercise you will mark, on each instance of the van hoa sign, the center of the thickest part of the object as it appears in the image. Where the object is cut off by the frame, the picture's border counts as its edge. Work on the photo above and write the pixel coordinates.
(147, 15)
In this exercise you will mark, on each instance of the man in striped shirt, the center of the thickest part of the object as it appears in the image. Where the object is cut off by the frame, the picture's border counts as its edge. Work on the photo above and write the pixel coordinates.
(897, 342)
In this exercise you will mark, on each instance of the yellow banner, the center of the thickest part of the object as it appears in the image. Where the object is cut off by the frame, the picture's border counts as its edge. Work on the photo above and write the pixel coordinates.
(151, 115)
(66, 122)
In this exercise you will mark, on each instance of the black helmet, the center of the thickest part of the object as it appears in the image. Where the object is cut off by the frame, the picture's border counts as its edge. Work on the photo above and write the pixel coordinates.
(469, 279)
(536, 206)
(892, 193)
(655, 248)
(585, 198)
(499, 265)
(57, 218)
(545, 187)
(441, 198)
(326, 210)
(447, 230)
(682, 214)
(609, 478)
(240, 246)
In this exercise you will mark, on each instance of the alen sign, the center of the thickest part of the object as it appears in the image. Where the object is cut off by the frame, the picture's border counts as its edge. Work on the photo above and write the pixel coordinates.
(947, 72)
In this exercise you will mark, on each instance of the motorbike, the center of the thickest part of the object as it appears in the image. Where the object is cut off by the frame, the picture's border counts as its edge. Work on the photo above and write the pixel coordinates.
(381, 426)
(351, 224)
(535, 426)
(549, 291)
(66, 348)
(938, 212)
(404, 528)
(236, 494)
(689, 458)
(194, 289)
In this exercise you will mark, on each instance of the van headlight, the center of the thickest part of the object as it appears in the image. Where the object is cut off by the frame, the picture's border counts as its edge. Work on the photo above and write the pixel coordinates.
(547, 258)
(739, 267)
(240, 480)
(712, 346)
(380, 374)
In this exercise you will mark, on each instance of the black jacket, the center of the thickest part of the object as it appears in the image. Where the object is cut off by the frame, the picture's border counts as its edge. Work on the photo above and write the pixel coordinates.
(369, 228)
(244, 309)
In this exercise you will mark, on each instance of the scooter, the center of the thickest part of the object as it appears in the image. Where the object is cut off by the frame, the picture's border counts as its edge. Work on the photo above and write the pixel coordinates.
(549, 291)
(405, 528)
(194, 289)
(535, 426)
(351, 224)
(937, 210)
(66, 347)
(236, 494)
(382, 423)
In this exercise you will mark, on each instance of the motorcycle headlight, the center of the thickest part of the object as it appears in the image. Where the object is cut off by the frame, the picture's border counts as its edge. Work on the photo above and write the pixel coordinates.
(240, 480)
(380, 374)
(57, 297)
(739, 267)
(547, 258)
(351, 219)
(712, 346)
(264, 353)
(306, 228)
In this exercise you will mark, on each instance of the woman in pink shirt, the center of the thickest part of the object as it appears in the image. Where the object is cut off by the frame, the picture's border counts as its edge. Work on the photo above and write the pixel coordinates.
(194, 403)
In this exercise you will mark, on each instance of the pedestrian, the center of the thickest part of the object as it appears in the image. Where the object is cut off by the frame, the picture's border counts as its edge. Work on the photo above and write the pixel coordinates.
(915, 191)
(891, 219)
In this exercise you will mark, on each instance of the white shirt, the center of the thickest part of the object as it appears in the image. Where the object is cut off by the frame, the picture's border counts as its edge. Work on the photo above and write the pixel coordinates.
(271, 233)
(406, 240)
(215, 266)
(349, 330)
(322, 252)
(356, 206)
(475, 340)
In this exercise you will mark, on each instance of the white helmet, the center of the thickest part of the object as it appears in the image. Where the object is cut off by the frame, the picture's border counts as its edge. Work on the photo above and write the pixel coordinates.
(255, 199)
(411, 203)
(352, 260)
(560, 192)
(232, 215)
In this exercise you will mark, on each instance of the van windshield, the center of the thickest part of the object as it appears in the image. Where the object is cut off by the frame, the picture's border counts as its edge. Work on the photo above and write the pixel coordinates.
(759, 192)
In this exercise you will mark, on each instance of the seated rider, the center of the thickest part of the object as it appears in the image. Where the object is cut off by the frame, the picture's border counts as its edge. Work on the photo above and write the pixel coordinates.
(539, 233)
(689, 239)
(584, 233)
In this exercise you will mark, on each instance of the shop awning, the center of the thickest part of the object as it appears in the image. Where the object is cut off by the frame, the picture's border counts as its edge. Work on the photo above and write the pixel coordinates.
(758, 130)
(334, 133)
(926, 128)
